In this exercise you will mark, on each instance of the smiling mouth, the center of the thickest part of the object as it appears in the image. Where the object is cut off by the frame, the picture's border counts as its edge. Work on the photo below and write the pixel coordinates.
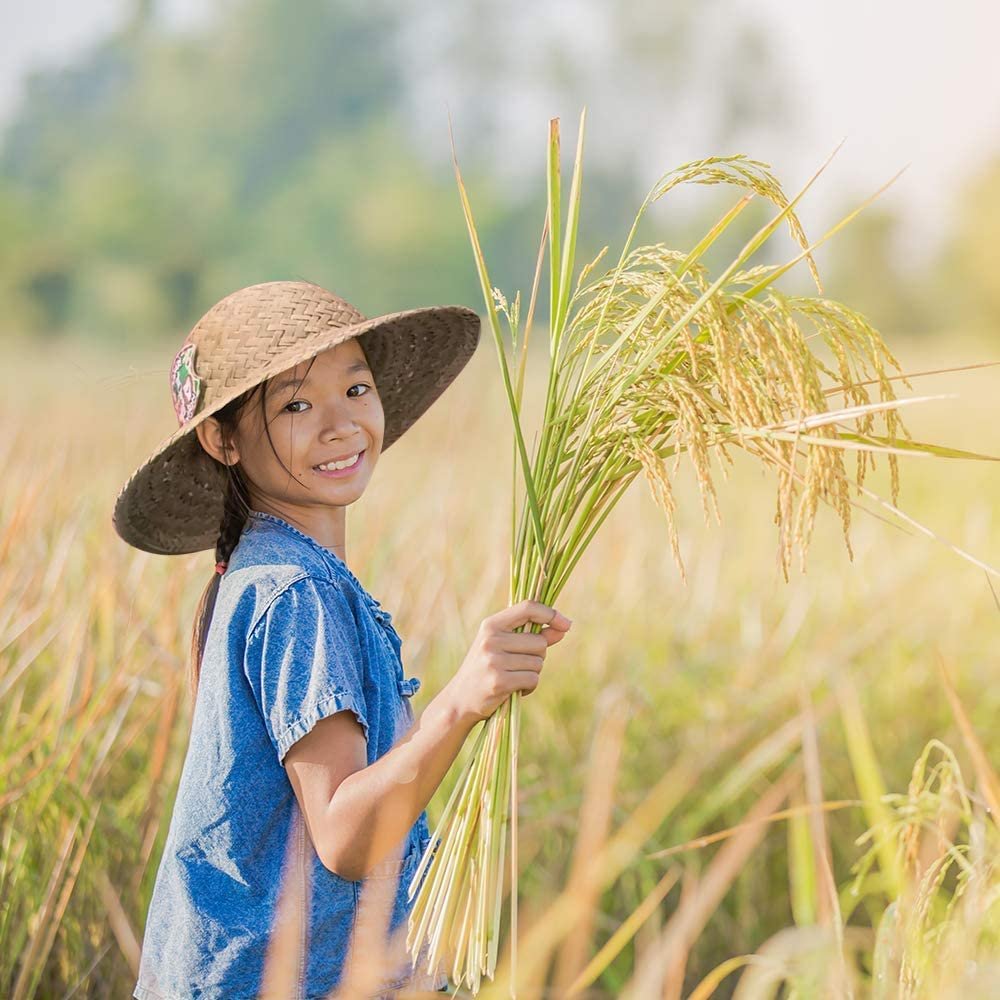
(338, 467)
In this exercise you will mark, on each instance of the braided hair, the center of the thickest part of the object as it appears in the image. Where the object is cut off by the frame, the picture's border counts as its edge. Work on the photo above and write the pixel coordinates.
(235, 511)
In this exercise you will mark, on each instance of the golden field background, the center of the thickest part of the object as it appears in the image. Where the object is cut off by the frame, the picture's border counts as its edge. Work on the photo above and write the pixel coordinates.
(707, 684)
(158, 162)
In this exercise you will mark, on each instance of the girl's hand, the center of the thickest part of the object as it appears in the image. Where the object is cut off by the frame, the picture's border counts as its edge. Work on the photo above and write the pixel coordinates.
(502, 661)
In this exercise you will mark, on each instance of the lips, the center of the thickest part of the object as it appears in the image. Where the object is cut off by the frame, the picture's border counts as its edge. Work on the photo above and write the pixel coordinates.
(342, 458)
(329, 463)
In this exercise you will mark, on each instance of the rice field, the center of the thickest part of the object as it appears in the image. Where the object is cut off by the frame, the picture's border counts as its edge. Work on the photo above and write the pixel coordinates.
(670, 725)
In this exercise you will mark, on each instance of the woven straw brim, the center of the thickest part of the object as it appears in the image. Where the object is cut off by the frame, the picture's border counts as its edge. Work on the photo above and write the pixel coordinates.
(173, 503)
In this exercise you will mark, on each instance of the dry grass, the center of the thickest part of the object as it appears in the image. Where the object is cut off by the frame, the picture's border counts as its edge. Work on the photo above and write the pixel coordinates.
(94, 718)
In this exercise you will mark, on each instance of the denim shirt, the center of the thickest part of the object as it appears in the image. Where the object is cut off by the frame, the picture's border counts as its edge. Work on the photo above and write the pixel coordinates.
(294, 638)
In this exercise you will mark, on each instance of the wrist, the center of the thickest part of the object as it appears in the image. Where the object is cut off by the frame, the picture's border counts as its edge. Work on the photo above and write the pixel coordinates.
(445, 711)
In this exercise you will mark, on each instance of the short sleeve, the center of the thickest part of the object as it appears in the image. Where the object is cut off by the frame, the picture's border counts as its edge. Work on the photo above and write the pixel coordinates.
(304, 661)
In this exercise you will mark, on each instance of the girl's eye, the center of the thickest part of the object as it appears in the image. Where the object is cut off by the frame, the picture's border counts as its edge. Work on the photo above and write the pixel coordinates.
(291, 407)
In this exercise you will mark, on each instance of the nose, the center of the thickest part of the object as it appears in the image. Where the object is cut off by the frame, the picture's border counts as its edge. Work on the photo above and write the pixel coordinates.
(339, 423)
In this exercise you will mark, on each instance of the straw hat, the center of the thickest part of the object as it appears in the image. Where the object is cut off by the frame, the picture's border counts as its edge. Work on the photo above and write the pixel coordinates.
(174, 502)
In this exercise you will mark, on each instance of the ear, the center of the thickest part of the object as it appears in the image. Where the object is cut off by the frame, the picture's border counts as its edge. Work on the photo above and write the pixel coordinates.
(210, 435)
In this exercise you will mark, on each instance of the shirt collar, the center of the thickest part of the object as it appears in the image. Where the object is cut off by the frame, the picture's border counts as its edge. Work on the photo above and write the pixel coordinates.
(380, 613)
(407, 685)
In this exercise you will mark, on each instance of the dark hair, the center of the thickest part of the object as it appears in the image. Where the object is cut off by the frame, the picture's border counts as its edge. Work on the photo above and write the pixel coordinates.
(235, 511)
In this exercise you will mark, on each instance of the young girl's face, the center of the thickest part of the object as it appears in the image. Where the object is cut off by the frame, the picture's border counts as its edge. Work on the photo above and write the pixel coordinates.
(317, 413)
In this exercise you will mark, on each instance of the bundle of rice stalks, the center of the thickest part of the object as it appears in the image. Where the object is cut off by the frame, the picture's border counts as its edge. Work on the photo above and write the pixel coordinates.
(652, 360)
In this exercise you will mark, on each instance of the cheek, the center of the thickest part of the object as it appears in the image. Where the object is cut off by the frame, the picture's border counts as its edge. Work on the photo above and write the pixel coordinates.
(377, 416)
(256, 461)
(263, 463)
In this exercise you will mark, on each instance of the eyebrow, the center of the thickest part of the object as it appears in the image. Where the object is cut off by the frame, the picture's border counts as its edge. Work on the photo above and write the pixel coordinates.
(357, 366)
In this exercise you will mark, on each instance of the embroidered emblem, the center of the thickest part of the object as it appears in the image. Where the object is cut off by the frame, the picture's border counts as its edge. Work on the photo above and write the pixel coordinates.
(185, 385)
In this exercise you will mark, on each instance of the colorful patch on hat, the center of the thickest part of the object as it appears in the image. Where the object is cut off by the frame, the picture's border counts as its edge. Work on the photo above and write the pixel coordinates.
(185, 384)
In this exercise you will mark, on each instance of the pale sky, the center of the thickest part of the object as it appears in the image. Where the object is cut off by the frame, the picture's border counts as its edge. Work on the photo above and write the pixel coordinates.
(905, 81)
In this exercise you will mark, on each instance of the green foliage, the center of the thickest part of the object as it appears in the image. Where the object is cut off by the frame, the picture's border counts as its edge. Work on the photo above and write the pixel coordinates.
(161, 169)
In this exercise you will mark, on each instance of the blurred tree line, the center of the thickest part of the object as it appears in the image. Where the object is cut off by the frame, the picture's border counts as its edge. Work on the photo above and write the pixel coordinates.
(162, 169)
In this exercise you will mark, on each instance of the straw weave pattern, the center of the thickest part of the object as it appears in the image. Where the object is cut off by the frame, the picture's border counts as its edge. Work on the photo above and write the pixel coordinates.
(245, 332)
(174, 502)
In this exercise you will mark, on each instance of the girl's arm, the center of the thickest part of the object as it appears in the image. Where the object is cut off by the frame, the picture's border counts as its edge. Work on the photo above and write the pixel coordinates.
(357, 815)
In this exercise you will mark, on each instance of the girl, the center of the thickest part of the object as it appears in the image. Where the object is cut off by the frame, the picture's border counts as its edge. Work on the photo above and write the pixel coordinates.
(303, 788)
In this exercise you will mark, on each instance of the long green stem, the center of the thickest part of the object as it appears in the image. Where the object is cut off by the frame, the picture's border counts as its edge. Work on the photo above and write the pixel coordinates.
(562, 573)
(778, 272)
(601, 401)
(562, 261)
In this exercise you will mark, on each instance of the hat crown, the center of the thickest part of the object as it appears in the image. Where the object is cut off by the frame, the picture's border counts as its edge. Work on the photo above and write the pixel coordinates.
(249, 333)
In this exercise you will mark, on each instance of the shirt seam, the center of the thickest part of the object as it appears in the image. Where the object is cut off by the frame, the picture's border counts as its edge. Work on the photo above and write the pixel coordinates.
(346, 699)
(324, 553)
(284, 588)
(304, 906)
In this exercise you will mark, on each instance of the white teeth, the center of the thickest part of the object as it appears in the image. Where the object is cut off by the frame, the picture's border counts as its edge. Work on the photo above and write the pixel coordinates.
(339, 465)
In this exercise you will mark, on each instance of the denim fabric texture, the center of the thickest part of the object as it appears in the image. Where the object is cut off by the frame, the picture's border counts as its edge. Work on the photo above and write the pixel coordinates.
(294, 638)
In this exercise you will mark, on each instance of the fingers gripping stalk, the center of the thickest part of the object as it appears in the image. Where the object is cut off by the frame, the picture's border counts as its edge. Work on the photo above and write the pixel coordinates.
(502, 661)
